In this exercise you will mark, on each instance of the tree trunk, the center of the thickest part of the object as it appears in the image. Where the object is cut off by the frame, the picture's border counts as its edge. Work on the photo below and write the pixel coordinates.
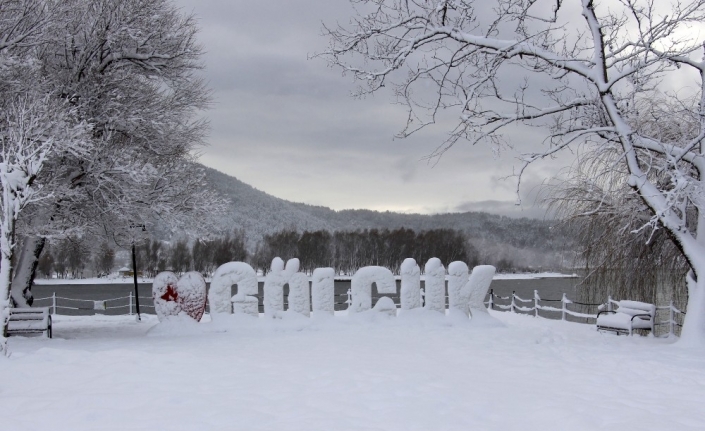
(693, 331)
(6, 242)
(5, 268)
(21, 288)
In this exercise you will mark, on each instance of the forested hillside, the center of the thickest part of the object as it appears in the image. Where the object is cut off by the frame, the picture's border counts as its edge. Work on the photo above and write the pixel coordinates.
(522, 241)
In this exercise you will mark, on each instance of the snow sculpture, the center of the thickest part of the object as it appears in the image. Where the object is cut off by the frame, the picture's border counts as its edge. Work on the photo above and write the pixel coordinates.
(292, 267)
(323, 291)
(274, 288)
(410, 295)
(173, 296)
(278, 276)
(192, 290)
(386, 306)
(458, 287)
(479, 282)
(435, 288)
(361, 286)
(164, 295)
(299, 294)
(224, 277)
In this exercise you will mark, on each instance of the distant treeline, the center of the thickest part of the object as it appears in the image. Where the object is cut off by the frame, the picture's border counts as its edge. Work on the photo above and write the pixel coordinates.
(346, 251)
(71, 257)
(349, 251)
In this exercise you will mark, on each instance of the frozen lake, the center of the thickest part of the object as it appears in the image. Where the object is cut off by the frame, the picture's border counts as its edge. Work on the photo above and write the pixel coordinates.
(77, 299)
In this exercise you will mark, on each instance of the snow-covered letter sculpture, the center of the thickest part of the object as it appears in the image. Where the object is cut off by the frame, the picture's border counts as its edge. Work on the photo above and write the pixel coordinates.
(323, 291)
(292, 267)
(361, 286)
(274, 288)
(173, 296)
(479, 282)
(274, 282)
(299, 294)
(410, 295)
(224, 277)
(435, 291)
(458, 287)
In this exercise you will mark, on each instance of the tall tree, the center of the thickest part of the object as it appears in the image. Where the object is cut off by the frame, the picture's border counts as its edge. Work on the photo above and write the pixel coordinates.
(32, 129)
(46, 262)
(202, 256)
(595, 203)
(585, 66)
(230, 248)
(104, 259)
(315, 250)
(128, 68)
(180, 256)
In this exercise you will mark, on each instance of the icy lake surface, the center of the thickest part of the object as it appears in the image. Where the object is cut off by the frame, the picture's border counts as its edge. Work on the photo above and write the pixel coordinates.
(549, 286)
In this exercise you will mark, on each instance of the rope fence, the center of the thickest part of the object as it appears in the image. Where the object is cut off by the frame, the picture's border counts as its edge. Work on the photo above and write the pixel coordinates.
(57, 303)
(76, 304)
(674, 319)
(665, 315)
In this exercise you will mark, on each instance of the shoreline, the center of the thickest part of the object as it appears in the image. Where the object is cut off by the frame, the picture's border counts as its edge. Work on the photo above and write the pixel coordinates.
(129, 280)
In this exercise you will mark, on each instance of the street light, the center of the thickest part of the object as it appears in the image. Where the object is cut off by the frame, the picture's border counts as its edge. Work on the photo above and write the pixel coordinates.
(134, 269)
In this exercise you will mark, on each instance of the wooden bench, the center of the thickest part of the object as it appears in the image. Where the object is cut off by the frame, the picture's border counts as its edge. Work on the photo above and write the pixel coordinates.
(29, 320)
(629, 315)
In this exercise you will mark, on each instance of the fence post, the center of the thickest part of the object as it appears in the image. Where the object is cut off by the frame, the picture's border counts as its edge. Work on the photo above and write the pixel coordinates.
(130, 308)
(564, 305)
(536, 303)
(671, 320)
(490, 304)
(53, 302)
(609, 302)
(513, 304)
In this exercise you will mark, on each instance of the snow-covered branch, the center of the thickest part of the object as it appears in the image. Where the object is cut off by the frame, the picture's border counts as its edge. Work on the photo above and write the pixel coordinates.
(583, 71)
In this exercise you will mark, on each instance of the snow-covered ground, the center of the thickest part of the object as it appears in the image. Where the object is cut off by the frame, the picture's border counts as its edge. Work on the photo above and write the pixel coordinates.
(129, 280)
(347, 373)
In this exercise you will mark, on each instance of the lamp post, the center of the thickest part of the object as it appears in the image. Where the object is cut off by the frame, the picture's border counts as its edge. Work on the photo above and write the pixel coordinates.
(134, 270)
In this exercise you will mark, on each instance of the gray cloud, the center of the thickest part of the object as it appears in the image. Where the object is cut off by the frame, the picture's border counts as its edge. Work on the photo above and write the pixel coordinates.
(286, 124)
(504, 208)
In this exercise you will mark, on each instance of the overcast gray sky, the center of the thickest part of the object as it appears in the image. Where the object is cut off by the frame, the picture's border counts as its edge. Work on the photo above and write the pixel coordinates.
(288, 126)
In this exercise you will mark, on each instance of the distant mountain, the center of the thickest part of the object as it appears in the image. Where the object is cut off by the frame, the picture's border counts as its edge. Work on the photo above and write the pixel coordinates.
(527, 242)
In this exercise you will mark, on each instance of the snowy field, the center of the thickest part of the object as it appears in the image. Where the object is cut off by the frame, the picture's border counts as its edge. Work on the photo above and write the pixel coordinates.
(416, 373)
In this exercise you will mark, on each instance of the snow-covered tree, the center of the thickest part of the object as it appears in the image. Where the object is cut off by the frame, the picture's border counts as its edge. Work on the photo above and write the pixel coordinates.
(578, 69)
(596, 204)
(104, 259)
(32, 129)
(129, 68)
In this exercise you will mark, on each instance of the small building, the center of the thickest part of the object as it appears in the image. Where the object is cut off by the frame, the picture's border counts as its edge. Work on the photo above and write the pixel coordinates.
(125, 272)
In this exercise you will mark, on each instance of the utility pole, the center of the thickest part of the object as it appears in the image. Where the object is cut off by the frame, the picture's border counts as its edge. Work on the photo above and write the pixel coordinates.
(134, 275)
(134, 270)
